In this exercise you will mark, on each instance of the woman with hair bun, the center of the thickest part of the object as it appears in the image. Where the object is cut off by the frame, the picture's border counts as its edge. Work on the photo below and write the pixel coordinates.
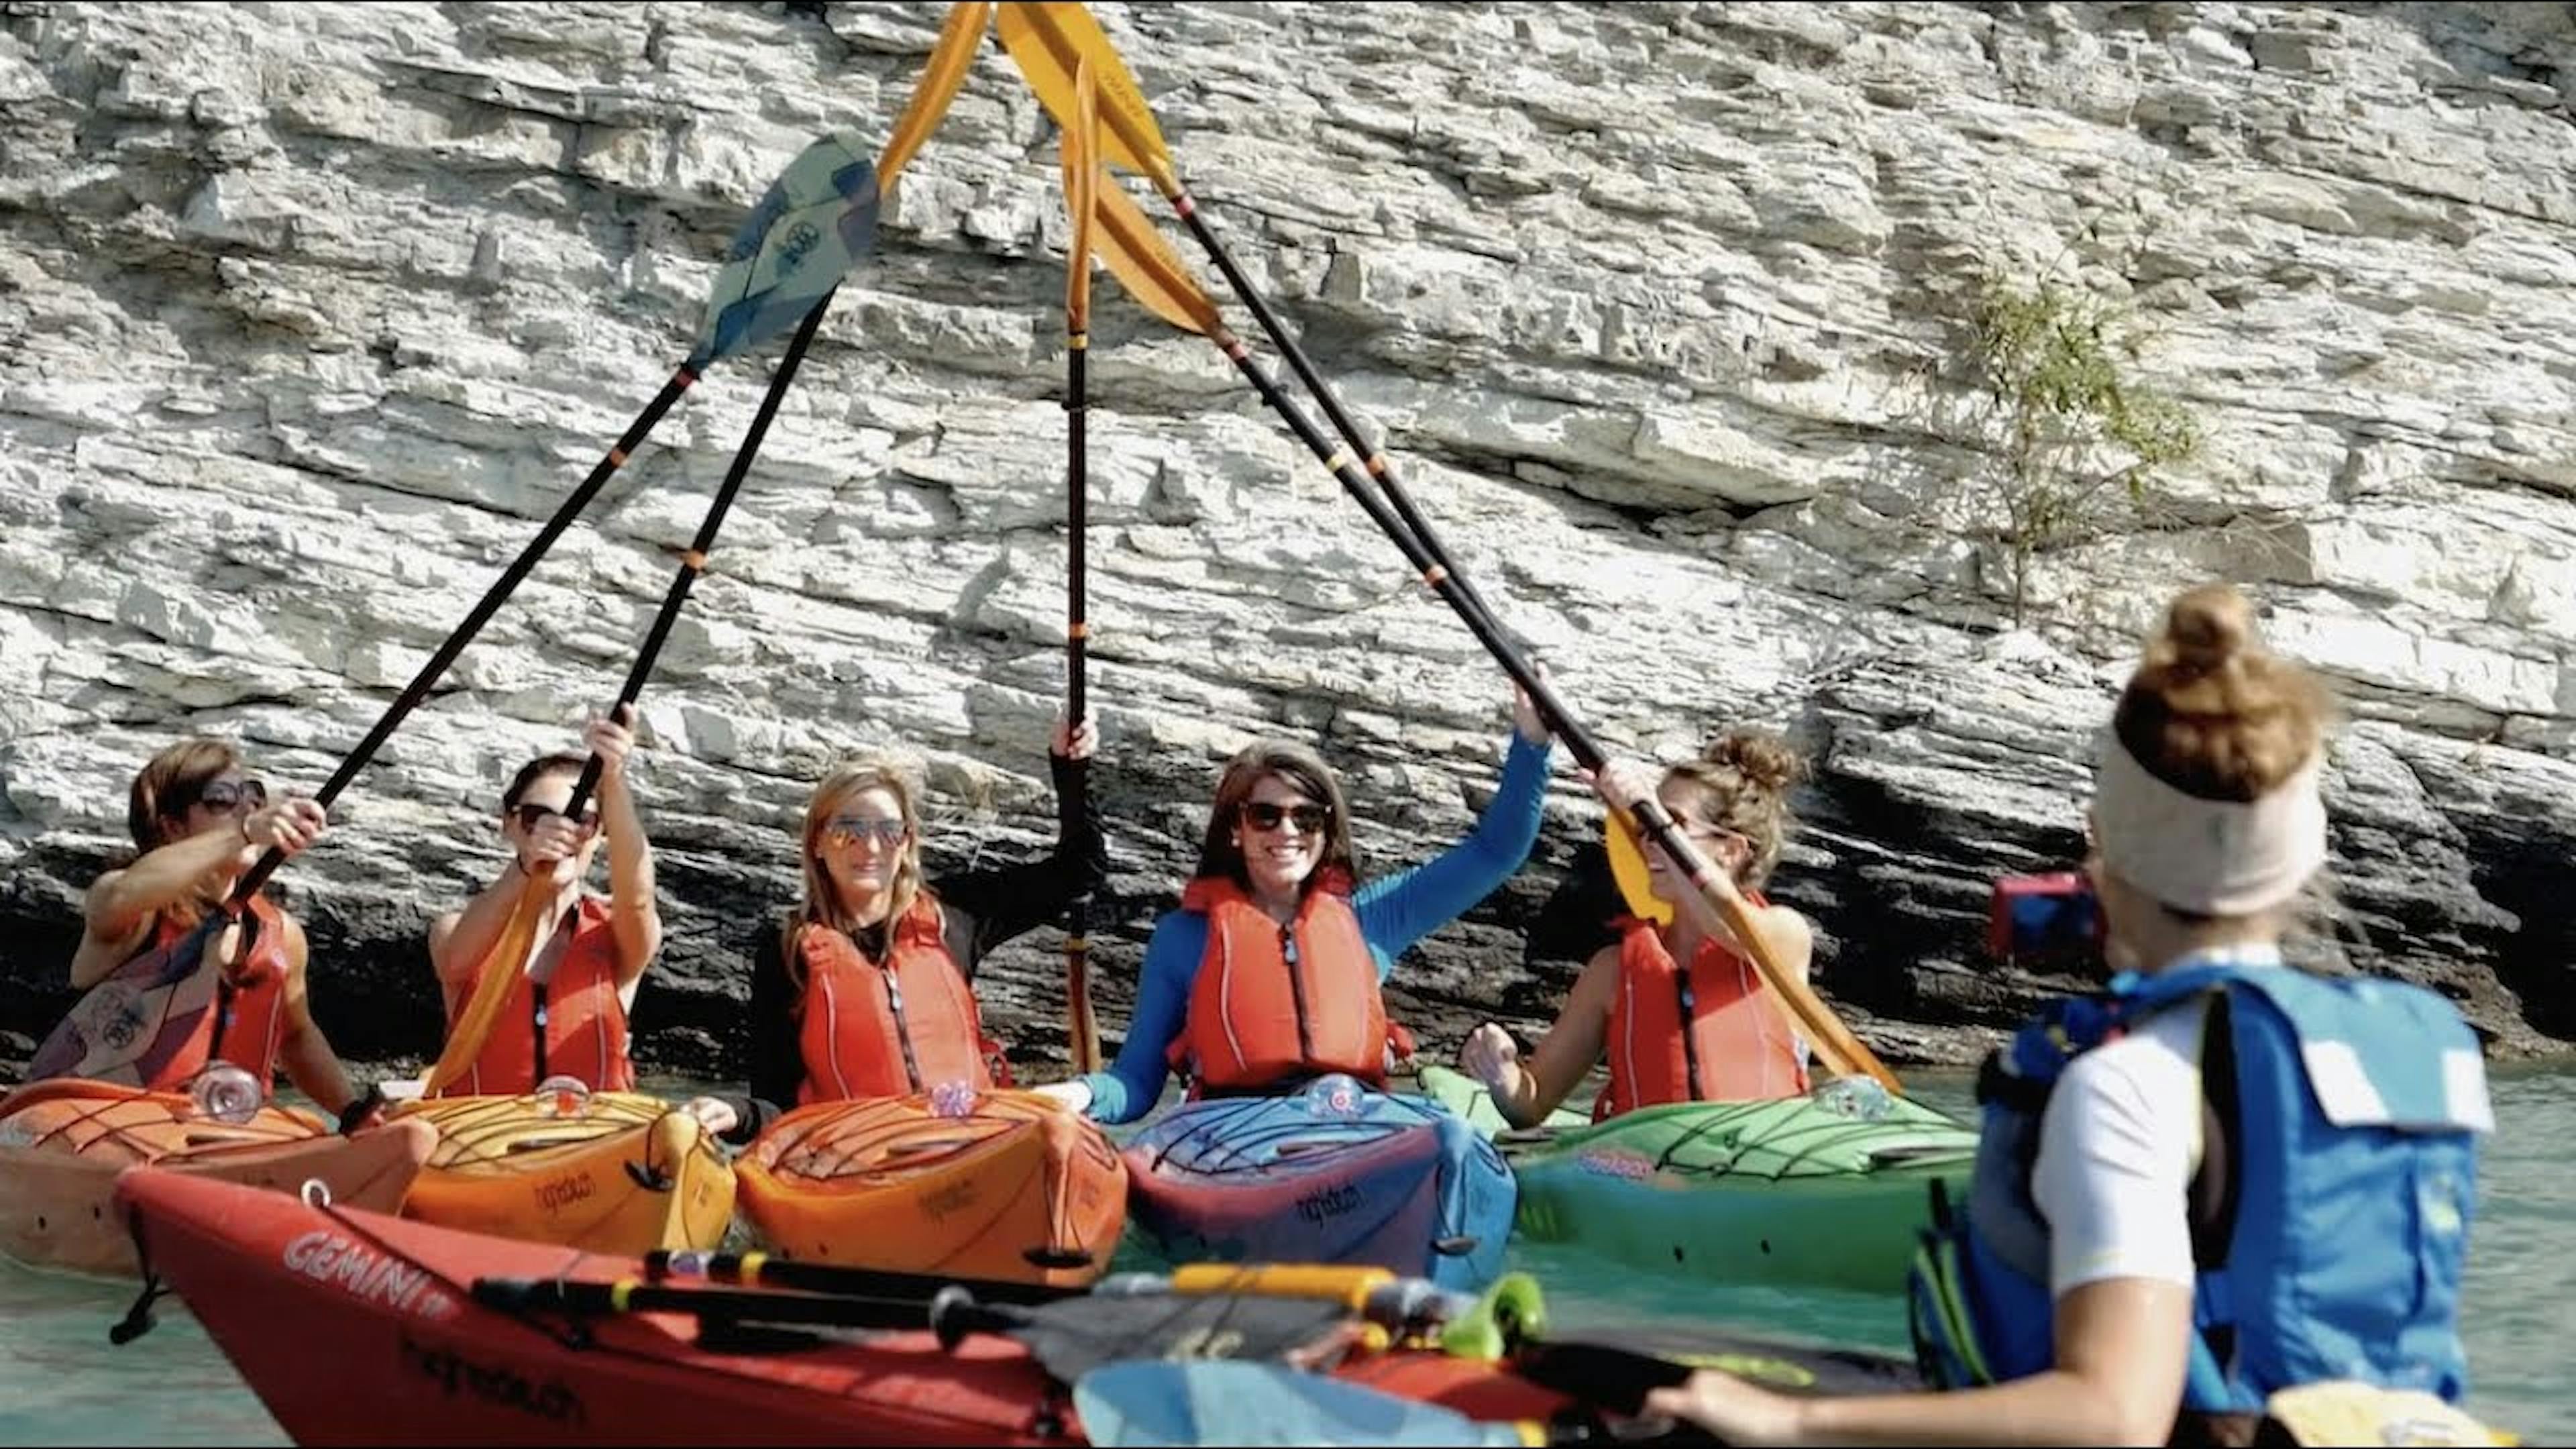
(2222, 1191)
(1676, 1032)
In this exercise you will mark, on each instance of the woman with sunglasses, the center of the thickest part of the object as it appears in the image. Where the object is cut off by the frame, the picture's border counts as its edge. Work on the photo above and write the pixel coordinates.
(869, 991)
(566, 1014)
(1705, 1033)
(1269, 974)
(199, 823)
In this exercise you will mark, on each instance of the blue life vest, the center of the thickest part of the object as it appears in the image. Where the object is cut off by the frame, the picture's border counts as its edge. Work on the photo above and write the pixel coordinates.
(2330, 1211)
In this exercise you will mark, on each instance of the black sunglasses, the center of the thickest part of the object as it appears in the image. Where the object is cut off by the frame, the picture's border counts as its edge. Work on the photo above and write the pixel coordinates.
(1309, 819)
(225, 794)
(532, 816)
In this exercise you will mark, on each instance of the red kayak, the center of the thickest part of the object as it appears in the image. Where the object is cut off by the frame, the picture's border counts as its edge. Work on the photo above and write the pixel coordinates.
(354, 1327)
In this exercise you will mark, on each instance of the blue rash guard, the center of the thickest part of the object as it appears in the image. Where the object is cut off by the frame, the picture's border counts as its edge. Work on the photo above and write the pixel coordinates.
(1394, 912)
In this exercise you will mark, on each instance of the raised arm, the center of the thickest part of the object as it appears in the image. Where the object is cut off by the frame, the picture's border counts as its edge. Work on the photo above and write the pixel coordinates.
(633, 912)
(122, 902)
(1396, 911)
(1007, 901)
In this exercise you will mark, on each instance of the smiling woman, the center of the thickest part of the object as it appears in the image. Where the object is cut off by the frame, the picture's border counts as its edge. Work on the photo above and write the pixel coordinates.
(1268, 975)
(1678, 1007)
(870, 990)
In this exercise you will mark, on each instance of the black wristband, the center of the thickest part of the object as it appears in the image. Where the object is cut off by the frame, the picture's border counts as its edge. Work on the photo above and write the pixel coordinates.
(358, 1110)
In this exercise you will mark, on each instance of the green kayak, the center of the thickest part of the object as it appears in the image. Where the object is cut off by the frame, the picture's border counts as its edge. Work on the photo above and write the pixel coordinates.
(1786, 1192)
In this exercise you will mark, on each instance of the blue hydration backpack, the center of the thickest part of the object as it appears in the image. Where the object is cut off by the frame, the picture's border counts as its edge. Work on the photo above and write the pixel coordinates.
(2330, 1213)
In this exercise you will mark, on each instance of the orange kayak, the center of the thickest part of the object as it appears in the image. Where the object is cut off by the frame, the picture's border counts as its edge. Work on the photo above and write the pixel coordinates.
(613, 1172)
(64, 1140)
(1016, 1188)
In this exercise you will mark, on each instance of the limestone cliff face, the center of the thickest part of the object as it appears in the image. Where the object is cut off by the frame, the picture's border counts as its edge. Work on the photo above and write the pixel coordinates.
(312, 312)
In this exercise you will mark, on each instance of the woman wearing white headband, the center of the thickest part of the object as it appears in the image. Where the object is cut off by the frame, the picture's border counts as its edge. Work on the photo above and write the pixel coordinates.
(2222, 1189)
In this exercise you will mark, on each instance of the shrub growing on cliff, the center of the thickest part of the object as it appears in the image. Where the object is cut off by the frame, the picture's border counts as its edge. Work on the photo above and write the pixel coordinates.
(2075, 436)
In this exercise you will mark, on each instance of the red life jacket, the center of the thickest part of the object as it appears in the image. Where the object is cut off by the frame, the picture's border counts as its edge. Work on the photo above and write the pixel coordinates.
(1260, 1017)
(1735, 1039)
(891, 1028)
(250, 1005)
(585, 1022)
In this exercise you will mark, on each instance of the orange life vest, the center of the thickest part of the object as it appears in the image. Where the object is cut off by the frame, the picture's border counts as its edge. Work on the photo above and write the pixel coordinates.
(248, 1023)
(585, 1023)
(1274, 1003)
(1710, 1035)
(891, 1028)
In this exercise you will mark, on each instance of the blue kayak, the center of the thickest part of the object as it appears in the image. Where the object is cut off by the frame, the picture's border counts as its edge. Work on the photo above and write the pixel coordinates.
(1333, 1173)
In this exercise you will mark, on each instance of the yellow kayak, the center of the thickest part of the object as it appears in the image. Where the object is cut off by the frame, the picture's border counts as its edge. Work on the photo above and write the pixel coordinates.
(612, 1172)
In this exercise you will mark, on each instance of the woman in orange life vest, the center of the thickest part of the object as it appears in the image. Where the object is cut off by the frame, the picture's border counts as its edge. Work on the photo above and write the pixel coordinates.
(1705, 1034)
(591, 953)
(199, 822)
(1269, 972)
(869, 991)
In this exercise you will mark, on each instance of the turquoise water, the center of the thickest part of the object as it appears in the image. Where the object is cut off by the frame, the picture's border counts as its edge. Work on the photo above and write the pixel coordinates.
(61, 1383)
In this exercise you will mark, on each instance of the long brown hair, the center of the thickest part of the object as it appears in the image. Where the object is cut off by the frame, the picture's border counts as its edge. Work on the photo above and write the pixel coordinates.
(1744, 780)
(822, 903)
(1301, 767)
(169, 783)
(2211, 712)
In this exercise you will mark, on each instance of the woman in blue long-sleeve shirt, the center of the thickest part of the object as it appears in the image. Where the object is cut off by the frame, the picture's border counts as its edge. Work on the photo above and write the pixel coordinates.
(1269, 973)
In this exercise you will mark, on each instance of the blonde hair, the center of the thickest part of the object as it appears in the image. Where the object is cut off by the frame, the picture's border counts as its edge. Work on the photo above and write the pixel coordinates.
(822, 903)
(1744, 780)
(2211, 712)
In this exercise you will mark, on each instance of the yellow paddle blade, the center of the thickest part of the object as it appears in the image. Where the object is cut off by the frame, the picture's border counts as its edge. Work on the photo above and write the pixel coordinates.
(1147, 266)
(1347, 1284)
(501, 970)
(941, 75)
(1049, 42)
(1628, 868)
(1081, 183)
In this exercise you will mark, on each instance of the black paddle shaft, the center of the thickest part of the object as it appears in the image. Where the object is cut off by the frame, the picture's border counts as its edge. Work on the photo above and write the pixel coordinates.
(1649, 812)
(1077, 623)
(694, 562)
(1375, 459)
(490, 604)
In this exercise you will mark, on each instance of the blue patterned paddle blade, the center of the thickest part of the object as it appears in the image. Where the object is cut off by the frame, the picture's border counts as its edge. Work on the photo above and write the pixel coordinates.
(812, 225)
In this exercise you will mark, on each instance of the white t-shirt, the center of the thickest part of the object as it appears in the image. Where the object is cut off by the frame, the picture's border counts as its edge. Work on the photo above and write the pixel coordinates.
(2117, 1148)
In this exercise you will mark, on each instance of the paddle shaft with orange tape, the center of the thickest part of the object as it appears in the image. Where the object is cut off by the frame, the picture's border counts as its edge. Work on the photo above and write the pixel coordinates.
(493, 598)
(1081, 176)
(1834, 1043)
(507, 961)
(1053, 43)
(694, 561)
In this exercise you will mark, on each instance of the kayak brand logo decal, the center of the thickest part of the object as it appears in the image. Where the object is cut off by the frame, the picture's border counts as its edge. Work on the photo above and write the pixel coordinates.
(563, 1191)
(365, 1274)
(1616, 1162)
(495, 1383)
(1329, 1202)
(955, 1197)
